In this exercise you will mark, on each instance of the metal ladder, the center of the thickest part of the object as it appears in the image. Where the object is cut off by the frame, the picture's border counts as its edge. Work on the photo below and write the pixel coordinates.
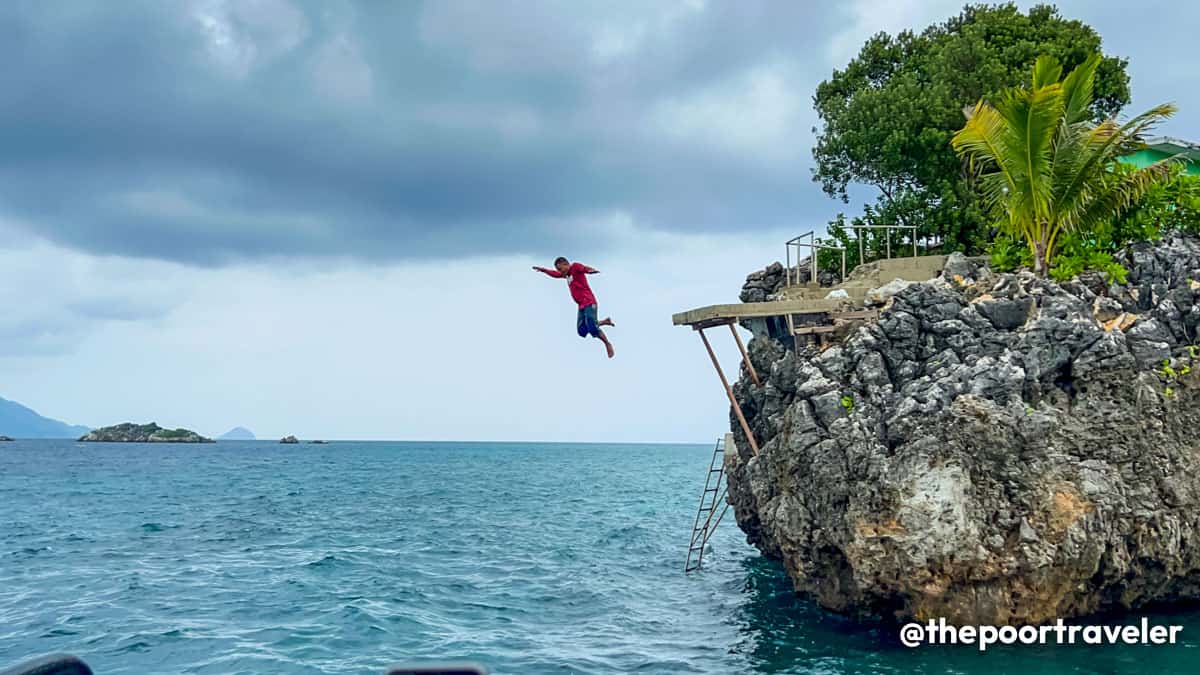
(701, 531)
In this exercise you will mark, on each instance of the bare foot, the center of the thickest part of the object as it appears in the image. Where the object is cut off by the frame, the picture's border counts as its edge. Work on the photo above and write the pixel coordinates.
(610, 350)
(608, 321)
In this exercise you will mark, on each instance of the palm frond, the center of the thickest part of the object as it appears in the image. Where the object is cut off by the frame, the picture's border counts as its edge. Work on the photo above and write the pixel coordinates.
(1077, 90)
(1031, 121)
(1046, 71)
(1119, 192)
(1101, 146)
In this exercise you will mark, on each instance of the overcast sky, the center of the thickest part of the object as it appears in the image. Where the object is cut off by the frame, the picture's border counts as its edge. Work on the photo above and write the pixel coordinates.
(318, 218)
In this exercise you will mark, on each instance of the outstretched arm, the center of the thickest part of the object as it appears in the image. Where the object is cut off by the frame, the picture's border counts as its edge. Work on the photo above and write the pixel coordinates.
(554, 273)
(589, 270)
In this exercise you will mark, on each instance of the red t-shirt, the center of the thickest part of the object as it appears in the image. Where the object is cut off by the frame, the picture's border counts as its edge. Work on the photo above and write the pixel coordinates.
(581, 293)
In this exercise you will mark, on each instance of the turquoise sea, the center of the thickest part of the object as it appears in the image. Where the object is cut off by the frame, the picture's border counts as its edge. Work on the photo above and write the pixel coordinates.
(344, 558)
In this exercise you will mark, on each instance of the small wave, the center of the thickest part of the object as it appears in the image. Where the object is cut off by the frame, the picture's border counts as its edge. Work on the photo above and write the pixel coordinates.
(626, 536)
(31, 551)
(329, 560)
(139, 646)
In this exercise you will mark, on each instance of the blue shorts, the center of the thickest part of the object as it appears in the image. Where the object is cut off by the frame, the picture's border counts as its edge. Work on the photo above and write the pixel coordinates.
(585, 322)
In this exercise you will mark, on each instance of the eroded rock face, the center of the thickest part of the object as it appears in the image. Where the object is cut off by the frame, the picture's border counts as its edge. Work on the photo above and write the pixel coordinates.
(762, 284)
(996, 448)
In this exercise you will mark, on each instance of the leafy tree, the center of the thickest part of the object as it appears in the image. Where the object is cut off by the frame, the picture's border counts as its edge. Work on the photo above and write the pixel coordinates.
(889, 115)
(1047, 167)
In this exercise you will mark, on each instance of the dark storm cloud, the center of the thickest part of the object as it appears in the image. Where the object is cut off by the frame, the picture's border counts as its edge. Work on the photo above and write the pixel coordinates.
(211, 131)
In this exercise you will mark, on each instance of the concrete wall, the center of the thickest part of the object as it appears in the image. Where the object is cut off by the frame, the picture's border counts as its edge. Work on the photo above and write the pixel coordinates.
(921, 268)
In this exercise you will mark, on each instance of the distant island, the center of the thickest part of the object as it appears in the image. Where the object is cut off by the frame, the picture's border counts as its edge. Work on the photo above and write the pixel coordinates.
(237, 434)
(143, 433)
(4, 438)
(289, 440)
(20, 422)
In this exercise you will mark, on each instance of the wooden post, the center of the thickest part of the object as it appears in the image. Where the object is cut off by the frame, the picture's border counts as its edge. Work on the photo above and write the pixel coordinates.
(737, 409)
(745, 357)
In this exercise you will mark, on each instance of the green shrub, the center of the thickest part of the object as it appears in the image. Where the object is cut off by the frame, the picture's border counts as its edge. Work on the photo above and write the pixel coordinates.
(1007, 254)
(1170, 206)
(1166, 370)
(1093, 250)
(172, 433)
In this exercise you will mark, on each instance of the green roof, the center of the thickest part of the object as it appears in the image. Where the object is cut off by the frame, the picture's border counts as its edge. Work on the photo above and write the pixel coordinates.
(1162, 147)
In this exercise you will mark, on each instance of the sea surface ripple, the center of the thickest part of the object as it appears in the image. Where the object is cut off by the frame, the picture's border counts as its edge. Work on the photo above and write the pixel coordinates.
(255, 557)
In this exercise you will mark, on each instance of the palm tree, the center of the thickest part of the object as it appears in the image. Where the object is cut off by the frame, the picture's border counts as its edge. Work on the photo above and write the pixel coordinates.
(1046, 165)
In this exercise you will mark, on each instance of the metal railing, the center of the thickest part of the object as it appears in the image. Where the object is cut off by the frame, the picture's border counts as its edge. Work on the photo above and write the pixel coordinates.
(814, 247)
(795, 241)
(887, 235)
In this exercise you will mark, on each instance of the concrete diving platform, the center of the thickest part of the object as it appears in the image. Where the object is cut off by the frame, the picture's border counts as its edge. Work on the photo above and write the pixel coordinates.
(802, 312)
(716, 315)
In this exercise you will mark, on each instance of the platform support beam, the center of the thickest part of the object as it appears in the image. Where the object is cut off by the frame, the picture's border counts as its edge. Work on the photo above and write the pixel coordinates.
(737, 409)
(745, 357)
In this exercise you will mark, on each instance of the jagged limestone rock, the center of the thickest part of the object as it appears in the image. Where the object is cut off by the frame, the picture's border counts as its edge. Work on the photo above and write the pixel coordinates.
(994, 449)
(879, 296)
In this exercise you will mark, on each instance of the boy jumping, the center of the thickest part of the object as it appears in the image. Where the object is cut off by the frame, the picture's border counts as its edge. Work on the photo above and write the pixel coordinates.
(585, 323)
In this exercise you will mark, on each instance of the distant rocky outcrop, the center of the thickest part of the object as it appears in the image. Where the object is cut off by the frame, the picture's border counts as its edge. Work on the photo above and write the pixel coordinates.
(318, 442)
(994, 449)
(4, 438)
(142, 433)
(289, 439)
(237, 434)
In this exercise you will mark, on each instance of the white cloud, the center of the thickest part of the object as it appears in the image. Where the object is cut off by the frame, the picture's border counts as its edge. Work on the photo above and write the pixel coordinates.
(340, 71)
(621, 37)
(243, 35)
(865, 18)
(552, 36)
(760, 115)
